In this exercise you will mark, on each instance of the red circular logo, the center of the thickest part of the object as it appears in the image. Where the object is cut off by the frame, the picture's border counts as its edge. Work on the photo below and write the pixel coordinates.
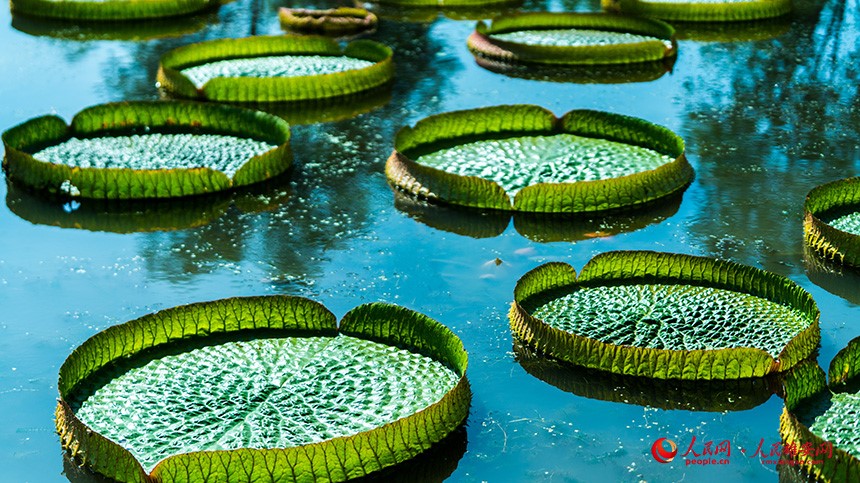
(661, 453)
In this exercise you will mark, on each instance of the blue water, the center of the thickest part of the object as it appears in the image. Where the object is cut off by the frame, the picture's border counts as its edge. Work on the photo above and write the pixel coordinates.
(766, 117)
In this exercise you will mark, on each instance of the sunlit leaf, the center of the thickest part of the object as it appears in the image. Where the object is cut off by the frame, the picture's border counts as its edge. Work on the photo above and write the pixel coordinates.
(109, 10)
(701, 10)
(832, 221)
(666, 316)
(261, 389)
(139, 150)
(335, 21)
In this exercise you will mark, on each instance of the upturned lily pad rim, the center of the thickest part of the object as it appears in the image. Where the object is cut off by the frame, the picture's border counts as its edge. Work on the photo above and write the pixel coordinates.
(111, 10)
(275, 89)
(21, 141)
(843, 374)
(701, 11)
(500, 122)
(483, 43)
(638, 267)
(339, 20)
(292, 316)
(828, 241)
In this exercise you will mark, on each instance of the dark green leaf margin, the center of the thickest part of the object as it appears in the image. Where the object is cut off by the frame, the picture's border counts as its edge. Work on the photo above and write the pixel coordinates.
(109, 10)
(635, 267)
(829, 242)
(693, 11)
(335, 459)
(482, 43)
(841, 465)
(498, 122)
(135, 117)
(275, 89)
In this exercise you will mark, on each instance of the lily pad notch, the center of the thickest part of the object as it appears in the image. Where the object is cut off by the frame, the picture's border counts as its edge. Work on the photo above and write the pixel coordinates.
(831, 223)
(107, 150)
(526, 128)
(335, 21)
(274, 69)
(309, 347)
(699, 10)
(110, 10)
(672, 316)
(819, 420)
(571, 39)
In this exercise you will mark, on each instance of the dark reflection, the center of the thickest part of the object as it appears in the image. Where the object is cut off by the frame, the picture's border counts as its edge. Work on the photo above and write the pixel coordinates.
(794, 474)
(833, 277)
(132, 31)
(714, 396)
(540, 227)
(582, 74)
(433, 465)
(779, 119)
(427, 14)
(134, 216)
(733, 31)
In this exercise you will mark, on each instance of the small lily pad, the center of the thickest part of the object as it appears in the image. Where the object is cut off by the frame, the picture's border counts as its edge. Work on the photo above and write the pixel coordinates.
(274, 69)
(142, 150)
(832, 221)
(701, 10)
(584, 161)
(267, 386)
(335, 21)
(572, 39)
(666, 316)
(110, 10)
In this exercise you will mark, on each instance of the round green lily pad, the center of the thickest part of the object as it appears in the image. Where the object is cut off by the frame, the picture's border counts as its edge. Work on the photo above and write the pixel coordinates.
(274, 69)
(267, 388)
(666, 316)
(142, 150)
(701, 10)
(832, 221)
(335, 21)
(584, 161)
(109, 10)
(572, 39)
(819, 423)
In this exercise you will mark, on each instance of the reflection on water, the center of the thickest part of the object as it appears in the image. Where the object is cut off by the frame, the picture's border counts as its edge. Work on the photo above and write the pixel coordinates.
(540, 227)
(130, 31)
(733, 31)
(583, 74)
(835, 278)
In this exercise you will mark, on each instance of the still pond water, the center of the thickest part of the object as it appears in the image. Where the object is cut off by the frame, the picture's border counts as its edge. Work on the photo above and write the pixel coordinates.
(767, 113)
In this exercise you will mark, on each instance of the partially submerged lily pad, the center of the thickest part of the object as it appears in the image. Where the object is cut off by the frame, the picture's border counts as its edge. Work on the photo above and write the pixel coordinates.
(274, 69)
(666, 316)
(701, 10)
(832, 221)
(335, 21)
(264, 389)
(582, 162)
(110, 10)
(141, 150)
(572, 39)
(819, 424)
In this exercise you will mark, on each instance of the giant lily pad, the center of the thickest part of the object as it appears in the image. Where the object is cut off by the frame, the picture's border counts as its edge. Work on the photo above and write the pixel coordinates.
(819, 424)
(832, 221)
(572, 39)
(109, 10)
(141, 150)
(261, 389)
(274, 69)
(335, 21)
(582, 162)
(131, 31)
(666, 316)
(701, 10)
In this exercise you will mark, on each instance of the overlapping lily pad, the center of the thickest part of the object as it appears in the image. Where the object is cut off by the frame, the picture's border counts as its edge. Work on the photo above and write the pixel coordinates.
(832, 221)
(261, 389)
(666, 316)
(701, 10)
(585, 161)
(336, 21)
(274, 69)
(571, 39)
(139, 150)
(819, 424)
(110, 10)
